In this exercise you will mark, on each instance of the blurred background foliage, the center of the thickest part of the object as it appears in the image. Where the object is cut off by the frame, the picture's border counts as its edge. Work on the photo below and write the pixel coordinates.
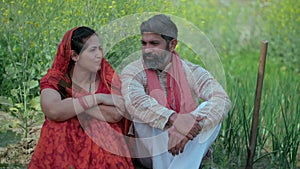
(32, 29)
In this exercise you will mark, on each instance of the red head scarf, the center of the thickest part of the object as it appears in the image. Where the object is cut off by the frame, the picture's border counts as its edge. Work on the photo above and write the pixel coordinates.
(58, 79)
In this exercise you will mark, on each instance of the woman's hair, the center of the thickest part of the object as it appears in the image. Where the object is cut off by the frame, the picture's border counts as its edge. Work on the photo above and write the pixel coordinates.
(79, 38)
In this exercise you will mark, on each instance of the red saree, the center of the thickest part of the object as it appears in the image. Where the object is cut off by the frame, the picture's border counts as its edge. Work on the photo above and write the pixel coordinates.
(81, 142)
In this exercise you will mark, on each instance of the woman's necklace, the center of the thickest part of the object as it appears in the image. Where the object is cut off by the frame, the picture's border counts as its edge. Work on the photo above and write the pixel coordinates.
(90, 88)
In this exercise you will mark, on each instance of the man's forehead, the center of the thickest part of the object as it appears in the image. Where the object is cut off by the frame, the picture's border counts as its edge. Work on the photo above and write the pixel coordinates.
(151, 35)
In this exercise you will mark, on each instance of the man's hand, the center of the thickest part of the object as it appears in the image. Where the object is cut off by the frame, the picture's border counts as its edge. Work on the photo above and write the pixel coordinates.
(186, 124)
(176, 142)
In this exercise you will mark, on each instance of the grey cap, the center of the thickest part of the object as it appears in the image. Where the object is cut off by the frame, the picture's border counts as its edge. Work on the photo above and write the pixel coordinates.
(160, 24)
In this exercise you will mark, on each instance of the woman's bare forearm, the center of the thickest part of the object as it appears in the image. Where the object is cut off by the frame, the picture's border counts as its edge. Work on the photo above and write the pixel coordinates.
(58, 109)
(105, 113)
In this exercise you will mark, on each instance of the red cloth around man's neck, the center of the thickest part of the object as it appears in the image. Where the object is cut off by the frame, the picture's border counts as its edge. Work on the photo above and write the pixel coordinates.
(176, 80)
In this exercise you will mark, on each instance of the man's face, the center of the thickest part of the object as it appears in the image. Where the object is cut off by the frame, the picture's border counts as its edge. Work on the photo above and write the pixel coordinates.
(155, 51)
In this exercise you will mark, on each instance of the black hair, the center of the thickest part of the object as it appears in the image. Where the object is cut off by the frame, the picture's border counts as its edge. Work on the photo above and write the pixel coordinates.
(167, 39)
(79, 38)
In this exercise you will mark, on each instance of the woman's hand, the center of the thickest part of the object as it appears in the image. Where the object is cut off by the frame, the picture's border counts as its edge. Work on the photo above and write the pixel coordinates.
(111, 100)
(119, 103)
(107, 99)
(105, 113)
(109, 108)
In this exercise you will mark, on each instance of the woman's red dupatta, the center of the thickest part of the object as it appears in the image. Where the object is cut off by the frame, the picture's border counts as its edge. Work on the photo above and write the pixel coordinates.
(79, 143)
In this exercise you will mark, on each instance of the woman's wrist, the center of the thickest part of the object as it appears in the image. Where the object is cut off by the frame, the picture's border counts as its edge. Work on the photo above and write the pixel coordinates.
(87, 102)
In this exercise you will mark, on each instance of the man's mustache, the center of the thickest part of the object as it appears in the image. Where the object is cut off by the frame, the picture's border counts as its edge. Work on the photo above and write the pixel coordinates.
(152, 55)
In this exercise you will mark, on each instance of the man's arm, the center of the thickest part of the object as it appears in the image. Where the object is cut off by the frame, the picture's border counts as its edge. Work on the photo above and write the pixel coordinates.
(208, 89)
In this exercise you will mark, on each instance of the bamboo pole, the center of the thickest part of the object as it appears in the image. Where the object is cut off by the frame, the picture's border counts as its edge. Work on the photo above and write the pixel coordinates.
(255, 117)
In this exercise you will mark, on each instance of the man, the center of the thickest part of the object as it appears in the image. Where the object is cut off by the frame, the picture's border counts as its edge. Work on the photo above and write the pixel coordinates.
(162, 94)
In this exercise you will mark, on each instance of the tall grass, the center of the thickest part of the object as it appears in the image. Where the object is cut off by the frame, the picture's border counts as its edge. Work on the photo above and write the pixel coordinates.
(31, 31)
(279, 137)
(282, 122)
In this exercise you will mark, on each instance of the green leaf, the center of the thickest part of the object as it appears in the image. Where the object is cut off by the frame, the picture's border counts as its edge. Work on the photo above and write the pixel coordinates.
(14, 111)
(14, 92)
(5, 101)
(32, 84)
(9, 137)
(35, 103)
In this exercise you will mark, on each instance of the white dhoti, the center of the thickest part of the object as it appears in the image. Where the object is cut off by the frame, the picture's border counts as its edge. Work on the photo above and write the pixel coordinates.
(152, 148)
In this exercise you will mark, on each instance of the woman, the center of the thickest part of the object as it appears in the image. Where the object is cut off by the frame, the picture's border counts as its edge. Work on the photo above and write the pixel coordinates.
(78, 96)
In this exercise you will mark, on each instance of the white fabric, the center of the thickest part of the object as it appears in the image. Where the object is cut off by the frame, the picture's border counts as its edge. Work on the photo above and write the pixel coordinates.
(203, 136)
(153, 148)
(191, 157)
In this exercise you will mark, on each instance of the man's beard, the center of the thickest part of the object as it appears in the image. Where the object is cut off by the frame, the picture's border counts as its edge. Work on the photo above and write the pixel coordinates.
(156, 62)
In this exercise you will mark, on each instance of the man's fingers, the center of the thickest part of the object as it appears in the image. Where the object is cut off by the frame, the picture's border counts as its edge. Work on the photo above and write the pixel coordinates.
(176, 140)
(172, 147)
(199, 118)
(173, 139)
(182, 144)
(194, 132)
(170, 142)
(172, 151)
(177, 148)
(186, 123)
(190, 136)
(198, 127)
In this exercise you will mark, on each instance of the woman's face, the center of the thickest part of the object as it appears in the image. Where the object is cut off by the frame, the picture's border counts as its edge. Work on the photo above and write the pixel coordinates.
(91, 56)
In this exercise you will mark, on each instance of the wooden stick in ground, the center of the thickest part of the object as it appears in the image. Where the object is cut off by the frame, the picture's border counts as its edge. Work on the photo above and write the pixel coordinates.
(255, 117)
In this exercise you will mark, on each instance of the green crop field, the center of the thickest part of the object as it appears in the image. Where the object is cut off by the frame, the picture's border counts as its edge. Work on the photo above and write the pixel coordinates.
(32, 29)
